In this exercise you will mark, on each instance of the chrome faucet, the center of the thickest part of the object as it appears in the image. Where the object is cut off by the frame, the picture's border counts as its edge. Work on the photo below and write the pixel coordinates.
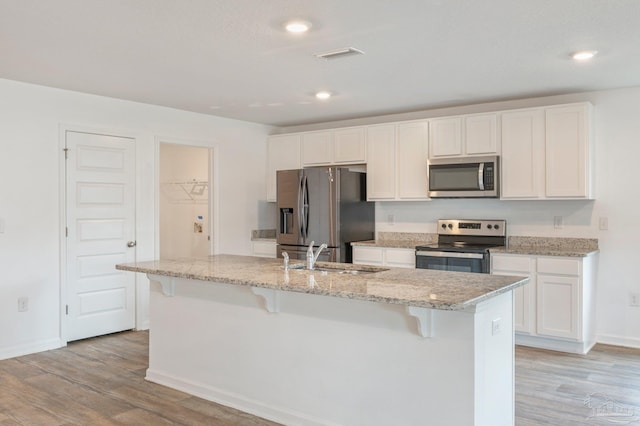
(285, 255)
(312, 258)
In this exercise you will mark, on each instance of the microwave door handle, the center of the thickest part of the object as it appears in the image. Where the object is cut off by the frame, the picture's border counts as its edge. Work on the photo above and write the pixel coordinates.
(481, 177)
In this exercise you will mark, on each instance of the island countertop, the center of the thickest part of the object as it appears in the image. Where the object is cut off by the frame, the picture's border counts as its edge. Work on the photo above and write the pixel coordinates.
(412, 287)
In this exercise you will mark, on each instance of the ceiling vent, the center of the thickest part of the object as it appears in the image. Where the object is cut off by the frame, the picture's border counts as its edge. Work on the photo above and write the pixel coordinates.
(339, 53)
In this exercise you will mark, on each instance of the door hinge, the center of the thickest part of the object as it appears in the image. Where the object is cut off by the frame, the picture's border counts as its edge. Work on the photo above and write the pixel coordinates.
(66, 153)
(66, 309)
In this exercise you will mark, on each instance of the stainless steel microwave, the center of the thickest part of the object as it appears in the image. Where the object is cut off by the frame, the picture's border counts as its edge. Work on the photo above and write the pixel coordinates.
(464, 177)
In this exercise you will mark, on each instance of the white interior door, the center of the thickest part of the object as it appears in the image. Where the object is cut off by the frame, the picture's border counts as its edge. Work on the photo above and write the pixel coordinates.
(100, 184)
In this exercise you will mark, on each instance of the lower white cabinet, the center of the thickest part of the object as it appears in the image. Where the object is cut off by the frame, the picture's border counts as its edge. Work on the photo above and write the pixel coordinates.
(556, 309)
(384, 256)
(264, 248)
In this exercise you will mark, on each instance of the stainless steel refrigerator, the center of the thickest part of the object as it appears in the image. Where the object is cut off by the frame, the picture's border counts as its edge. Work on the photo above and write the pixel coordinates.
(326, 205)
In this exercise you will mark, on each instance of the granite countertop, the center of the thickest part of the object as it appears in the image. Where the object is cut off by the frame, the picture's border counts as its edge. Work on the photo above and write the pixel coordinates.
(550, 246)
(412, 287)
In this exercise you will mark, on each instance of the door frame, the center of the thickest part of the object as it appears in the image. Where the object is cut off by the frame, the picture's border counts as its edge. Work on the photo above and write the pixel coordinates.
(63, 128)
(213, 204)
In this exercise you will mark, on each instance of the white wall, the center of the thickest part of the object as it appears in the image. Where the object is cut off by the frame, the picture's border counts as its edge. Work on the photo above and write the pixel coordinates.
(30, 119)
(617, 127)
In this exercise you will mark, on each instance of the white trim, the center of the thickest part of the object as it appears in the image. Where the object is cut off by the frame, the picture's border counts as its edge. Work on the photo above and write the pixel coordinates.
(610, 339)
(214, 200)
(553, 344)
(63, 128)
(233, 400)
(31, 348)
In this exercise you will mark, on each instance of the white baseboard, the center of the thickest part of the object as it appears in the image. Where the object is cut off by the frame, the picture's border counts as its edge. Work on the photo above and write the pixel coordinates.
(233, 400)
(609, 339)
(30, 348)
(554, 344)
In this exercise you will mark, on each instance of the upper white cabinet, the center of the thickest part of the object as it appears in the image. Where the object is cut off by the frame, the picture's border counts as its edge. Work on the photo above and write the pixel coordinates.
(334, 147)
(445, 135)
(349, 146)
(317, 148)
(381, 162)
(547, 153)
(397, 161)
(283, 153)
(475, 134)
(522, 170)
(569, 151)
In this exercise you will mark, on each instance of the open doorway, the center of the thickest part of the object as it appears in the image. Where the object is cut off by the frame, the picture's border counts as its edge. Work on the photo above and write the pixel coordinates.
(184, 207)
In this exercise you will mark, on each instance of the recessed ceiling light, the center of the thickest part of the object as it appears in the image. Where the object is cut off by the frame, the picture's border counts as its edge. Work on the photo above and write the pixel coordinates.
(584, 55)
(297, 26)
(323, 95)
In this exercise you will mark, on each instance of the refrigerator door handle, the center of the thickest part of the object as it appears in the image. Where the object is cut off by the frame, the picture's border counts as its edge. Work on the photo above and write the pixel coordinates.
(300, 207)
(305, 190)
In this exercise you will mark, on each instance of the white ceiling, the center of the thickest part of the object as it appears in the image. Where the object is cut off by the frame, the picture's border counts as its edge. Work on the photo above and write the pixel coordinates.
(232, 58)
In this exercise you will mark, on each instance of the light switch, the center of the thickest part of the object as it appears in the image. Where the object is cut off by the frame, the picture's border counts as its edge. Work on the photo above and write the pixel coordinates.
(557, 222)
(604, 223)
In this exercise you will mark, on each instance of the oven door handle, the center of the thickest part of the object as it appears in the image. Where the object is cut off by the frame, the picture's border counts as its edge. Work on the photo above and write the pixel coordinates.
(450, 254)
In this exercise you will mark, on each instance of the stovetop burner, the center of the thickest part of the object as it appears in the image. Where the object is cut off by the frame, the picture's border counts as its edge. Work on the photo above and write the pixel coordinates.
(468, 236)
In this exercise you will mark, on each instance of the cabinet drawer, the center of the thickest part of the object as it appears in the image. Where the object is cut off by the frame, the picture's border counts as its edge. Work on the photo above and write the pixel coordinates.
(511, 263)
(559, 266)
(367, 255)
(401, 257)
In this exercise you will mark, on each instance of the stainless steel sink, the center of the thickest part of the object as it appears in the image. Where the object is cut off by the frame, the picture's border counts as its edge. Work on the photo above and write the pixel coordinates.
(339, 268)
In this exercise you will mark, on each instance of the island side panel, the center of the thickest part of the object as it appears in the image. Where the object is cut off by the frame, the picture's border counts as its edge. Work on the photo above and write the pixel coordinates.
(322, 360)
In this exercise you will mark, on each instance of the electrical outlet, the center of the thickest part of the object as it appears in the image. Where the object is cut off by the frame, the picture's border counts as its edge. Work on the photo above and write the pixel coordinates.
(604, 223)
(557, 222)
(23, 304)
(634, 299)
(391, 219)
(496, 326)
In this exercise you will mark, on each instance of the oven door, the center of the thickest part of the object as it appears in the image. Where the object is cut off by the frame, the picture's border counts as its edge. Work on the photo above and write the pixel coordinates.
(453, 261)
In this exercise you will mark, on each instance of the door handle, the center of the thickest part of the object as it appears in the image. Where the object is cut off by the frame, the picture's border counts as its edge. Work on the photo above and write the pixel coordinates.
(131, 244)
(481, 177)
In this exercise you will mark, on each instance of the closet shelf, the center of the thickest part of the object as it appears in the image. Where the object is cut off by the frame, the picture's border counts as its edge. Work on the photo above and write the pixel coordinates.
(186, 192)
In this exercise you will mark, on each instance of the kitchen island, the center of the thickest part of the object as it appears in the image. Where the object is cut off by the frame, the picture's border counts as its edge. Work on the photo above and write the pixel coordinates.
(346, 345)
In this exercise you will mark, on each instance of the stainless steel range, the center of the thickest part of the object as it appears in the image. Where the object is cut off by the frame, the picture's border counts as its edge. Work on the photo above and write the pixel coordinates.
(463, 245)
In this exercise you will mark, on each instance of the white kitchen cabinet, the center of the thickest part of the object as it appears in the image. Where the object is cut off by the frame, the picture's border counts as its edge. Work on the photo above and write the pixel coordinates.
(349, 146)
(397, 161)
(264, 248)
(558, 310)
(412, 150)
(283, 153)
(524, 297)
(445, 136)
(481, 134)
(384, 256)
(317, 148)
(468, 135)
(381, 162)
(522, 159)
(569, 151)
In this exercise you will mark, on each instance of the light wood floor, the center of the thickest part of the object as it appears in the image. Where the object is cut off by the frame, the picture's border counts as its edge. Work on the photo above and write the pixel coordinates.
(101, 382)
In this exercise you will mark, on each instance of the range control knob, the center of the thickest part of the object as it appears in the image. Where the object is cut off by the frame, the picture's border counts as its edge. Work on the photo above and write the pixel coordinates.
(450, 226)
(496, 226)
(444, 226)
(489, 226)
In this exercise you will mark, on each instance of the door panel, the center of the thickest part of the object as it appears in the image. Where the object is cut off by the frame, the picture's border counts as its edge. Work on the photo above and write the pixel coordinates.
(100, 182)
(322, 216)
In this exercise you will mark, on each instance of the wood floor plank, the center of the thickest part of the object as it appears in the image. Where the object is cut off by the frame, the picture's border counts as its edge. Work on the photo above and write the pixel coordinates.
(101, 382)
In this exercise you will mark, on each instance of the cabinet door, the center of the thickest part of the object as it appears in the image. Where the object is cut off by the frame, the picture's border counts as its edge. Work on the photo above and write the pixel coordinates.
(367, 255)
(522, 161)
(349, 145)
(524, 297)
(400, 257)
(481, 134)
(412, 151)
(264, 248)
(445, 137)
(381, 160)
(558, 312)
(317, 148)
(567, 151)
(283, 153)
